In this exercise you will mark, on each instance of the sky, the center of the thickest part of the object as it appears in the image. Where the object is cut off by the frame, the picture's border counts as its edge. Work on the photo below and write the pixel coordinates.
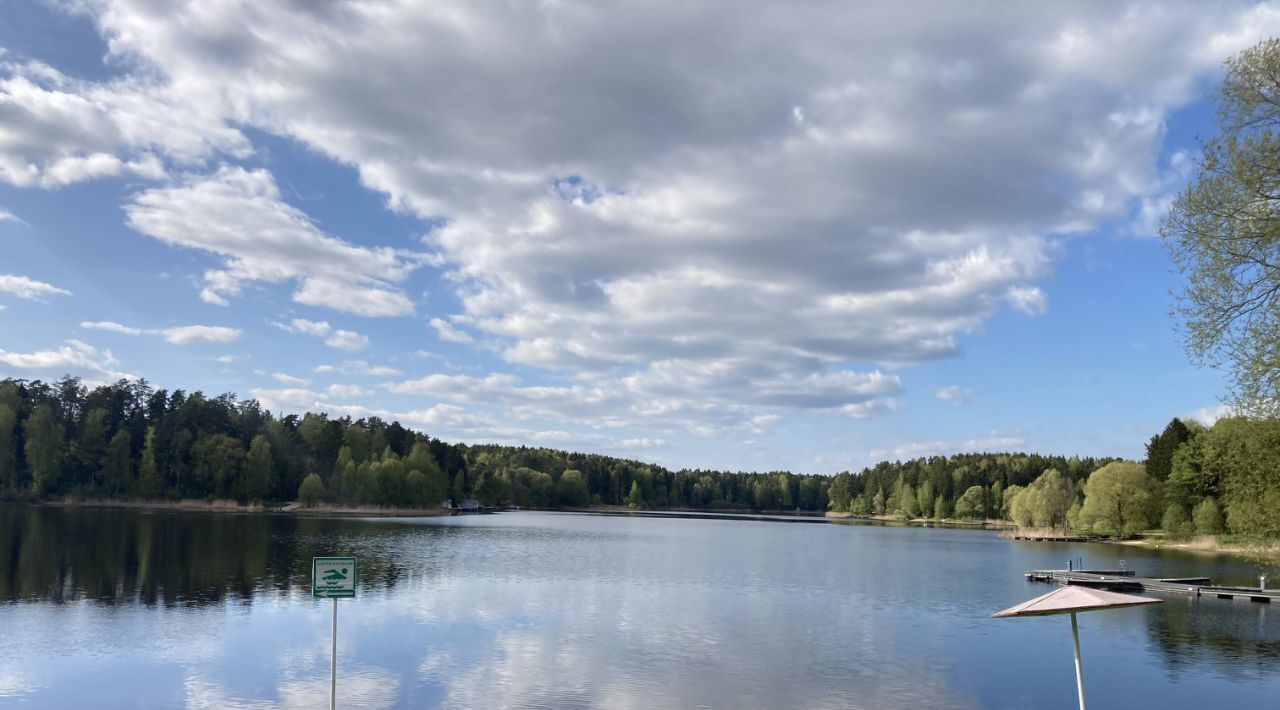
(741, 236)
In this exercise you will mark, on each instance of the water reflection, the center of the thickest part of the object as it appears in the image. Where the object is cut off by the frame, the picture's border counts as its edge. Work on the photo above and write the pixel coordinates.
(551, 611)
(1240, 637)
(115, 556)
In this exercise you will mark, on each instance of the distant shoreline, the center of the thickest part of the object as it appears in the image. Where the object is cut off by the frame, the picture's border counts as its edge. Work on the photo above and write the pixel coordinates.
(191, 505)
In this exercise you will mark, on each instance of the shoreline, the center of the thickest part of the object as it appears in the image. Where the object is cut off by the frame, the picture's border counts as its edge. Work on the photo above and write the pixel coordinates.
(191, 505)
(1210, 546)
(1206, 546)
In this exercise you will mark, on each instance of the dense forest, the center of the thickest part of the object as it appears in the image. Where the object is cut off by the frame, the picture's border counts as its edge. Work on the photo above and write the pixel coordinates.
(131, 440)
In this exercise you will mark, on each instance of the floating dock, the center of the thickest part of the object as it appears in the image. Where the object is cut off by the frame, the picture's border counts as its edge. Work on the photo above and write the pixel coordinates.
(1127, 581)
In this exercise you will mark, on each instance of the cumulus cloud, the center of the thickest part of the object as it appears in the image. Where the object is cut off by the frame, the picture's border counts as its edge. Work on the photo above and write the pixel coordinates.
(613, 195)
(347, 340)
(339, 339)
(72, 357)
(304, 326)
(180, 335)
(60, 130)
(954, 394)
(287, 379)
(240, 216)
(29, 289)
(446, 331)
(111, 327)
(358, 367)
(187, 334)
(913, 449)
(703, 399)
(1212, 413)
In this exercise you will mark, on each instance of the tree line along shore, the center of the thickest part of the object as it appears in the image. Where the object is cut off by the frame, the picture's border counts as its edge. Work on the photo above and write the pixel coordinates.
(128, 440)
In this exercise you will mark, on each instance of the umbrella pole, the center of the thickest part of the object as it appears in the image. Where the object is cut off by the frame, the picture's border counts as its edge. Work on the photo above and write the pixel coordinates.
(1075, 636)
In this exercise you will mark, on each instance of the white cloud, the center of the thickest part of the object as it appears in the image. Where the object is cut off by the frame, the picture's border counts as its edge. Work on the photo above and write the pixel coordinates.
(228, 359)
(290, 380)
(346, 391)
(304, 326)
(1212, 413)
(446, 331)
(29, 289)
(360, 367)
(239, 215)
(73, 357)
(181, 335)
(339, 339)
(291, 399)
(703, 399)
(111, 327)
(954, 394)
(59, 130)
(994, 442)
(7, 216)
(1028, 299)
(623, 200)
(187, 334)
(347, 340)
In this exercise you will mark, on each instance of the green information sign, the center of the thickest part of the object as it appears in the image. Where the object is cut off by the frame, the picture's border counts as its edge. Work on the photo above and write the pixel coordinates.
(333, 577)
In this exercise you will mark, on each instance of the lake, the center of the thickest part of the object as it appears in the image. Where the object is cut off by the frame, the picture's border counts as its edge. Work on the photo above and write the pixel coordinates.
(122, 609)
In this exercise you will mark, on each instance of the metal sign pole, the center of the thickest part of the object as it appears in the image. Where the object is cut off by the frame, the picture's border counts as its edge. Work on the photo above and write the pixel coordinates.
(333, 661)
(333, 578)
(1075, 636)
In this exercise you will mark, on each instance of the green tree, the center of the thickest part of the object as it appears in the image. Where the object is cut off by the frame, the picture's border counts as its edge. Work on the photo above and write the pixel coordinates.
(437, 483)
(635, 500)
(1006, 501)
(1044, 503)
(92, 448)
(215, 466)
(43, 449)
(1161, 448)
(970, 504)
(941, 510)
(878, 502)
(1223, 234)
(8, 448)
(1120, 497)
(1176, 521)
(1208, 518)
(571, 490)
(839, 494)
(312, 490)
(149, 483)
(924, 498)
(1246, 454)
(416, 487)
(117, 465)
(786, 501)
(258, 468)
(859, 505)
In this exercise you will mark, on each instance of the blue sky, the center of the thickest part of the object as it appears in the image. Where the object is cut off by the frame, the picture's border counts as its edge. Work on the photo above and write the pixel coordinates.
(703, 236)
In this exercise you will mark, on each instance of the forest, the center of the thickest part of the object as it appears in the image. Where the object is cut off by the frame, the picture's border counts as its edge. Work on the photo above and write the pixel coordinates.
(129, 440)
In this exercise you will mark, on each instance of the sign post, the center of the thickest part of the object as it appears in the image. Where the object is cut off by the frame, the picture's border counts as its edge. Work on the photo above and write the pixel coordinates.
(333, 578)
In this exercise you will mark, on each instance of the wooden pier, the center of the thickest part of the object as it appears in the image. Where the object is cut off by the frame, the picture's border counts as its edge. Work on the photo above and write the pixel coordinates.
(1127, 581)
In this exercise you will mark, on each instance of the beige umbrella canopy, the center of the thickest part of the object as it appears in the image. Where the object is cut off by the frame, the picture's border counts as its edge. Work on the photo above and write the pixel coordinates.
(1066, 600)
(1069, 600)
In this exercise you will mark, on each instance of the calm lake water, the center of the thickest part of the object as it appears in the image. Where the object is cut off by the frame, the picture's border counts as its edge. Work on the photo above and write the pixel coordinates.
(115, 609)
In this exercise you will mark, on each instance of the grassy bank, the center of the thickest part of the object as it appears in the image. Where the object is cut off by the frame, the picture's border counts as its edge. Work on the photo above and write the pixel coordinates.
(1257, 550)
